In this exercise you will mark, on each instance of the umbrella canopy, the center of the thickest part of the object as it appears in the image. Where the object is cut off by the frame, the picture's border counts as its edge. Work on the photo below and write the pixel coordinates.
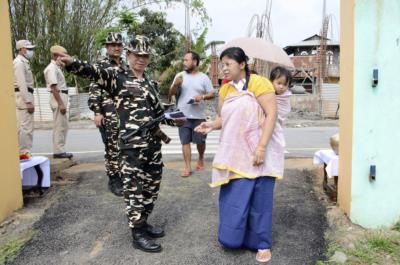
(262, 49)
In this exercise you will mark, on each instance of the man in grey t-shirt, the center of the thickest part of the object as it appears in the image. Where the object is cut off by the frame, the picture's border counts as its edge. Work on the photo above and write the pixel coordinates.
(193, 88)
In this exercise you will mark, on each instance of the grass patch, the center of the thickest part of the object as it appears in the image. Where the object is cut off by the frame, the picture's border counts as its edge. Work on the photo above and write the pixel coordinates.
(373, 249)
(10, 250)
(332, 248)
(376, 248)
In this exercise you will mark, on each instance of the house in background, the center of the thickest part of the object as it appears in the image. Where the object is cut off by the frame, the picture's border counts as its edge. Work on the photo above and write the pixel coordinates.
(306, 60)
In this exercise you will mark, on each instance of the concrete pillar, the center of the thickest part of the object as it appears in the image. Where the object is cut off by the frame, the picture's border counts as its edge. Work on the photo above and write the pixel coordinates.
(370, 115)
(10, 187)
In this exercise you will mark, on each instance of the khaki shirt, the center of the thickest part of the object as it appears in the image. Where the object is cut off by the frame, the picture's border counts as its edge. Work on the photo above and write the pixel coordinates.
(54, 76)
(23, 79)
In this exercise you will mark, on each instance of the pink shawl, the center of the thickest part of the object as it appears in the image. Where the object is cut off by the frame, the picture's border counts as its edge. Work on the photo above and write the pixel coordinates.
(283, 103)
(242, 118)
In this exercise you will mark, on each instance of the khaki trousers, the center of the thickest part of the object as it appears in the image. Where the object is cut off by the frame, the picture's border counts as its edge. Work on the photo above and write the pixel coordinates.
(25, 130)
(60, 124)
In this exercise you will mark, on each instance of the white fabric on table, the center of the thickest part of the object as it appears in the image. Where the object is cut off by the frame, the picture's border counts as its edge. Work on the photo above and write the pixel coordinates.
(28, 173)
(329, 158)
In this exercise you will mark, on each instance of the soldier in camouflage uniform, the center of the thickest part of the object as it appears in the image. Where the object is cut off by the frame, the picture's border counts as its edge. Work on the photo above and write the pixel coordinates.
(106, 119)
(137, 103)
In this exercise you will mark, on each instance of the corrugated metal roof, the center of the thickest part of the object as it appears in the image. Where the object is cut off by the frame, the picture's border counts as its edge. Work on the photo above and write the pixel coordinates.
(313, 43)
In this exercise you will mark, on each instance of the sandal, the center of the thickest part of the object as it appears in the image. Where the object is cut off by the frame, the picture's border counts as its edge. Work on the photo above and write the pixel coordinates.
(263, 255)
(186, 173)
(200, 166)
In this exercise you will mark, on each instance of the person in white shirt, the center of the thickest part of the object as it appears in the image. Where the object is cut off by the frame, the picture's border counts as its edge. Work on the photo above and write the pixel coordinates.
(192, 88)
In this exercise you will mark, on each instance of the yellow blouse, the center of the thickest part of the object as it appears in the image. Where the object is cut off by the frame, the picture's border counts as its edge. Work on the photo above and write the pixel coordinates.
(258, 85)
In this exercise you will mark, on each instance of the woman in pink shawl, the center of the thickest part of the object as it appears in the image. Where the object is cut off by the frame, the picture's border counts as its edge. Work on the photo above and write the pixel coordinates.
(249, 156)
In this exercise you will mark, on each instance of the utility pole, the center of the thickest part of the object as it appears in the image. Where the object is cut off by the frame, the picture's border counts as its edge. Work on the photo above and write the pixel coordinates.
(322, 54)
(188, 34)
(214, 62)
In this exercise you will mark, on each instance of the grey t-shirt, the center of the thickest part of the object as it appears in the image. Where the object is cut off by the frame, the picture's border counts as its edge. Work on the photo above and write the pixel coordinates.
(193, 85)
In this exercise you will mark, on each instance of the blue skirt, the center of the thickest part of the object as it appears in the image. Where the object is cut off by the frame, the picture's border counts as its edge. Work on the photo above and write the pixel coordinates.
(245, 213)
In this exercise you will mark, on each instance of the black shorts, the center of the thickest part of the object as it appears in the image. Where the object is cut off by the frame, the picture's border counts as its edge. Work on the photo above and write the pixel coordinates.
(187, 134)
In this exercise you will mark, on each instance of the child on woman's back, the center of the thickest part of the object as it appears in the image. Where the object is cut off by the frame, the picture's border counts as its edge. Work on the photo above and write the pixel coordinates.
(281, 78)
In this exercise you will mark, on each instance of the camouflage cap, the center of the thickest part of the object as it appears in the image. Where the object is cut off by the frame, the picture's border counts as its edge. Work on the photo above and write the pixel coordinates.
(139, 44)
(113, 37)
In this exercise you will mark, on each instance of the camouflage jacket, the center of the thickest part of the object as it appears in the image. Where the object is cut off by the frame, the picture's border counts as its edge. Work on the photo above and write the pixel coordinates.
(100, 101)
(137, 101)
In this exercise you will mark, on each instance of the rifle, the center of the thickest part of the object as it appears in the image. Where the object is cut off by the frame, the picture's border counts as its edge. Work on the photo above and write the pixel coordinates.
(151, 126)
(102, 130)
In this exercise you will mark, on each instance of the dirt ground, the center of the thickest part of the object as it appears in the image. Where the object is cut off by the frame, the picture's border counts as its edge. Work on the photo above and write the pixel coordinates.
(80, 222)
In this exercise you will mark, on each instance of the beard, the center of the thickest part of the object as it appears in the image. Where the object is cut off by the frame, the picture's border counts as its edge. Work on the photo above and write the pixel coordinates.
(190, 69)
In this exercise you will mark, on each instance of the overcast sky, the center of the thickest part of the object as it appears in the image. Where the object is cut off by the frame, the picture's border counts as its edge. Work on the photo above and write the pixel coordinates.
(292, 20)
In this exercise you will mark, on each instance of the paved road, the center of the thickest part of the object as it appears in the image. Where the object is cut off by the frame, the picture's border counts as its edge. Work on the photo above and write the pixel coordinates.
(87, 225)
(86, 143)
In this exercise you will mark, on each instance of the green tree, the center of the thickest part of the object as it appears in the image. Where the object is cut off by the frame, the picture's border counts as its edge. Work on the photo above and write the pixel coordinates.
(199, 46)
(197, 7)
(164, 37)
(166, 41)
(70, 23)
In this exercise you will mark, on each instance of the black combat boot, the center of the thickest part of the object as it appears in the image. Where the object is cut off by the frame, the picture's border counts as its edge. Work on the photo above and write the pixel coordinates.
(63, 155)
(115, 185)
(153, 231)
(143, 242)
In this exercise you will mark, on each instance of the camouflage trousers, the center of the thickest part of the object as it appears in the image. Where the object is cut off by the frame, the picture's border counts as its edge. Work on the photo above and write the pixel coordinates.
(110, 136)
(141, 176)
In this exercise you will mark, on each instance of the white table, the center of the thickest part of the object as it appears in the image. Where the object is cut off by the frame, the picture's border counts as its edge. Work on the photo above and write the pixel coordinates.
(29, 171)
(330, 159)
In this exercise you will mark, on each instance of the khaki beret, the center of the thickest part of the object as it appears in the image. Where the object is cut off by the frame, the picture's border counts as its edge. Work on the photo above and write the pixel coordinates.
(57, 49)
(24, 44)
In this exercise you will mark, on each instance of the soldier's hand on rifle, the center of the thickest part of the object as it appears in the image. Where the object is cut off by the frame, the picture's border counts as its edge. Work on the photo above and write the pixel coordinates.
(99, 120)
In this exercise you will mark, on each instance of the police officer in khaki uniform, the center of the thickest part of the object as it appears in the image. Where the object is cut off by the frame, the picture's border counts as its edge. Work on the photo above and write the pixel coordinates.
(55, 82)
(23, 85)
